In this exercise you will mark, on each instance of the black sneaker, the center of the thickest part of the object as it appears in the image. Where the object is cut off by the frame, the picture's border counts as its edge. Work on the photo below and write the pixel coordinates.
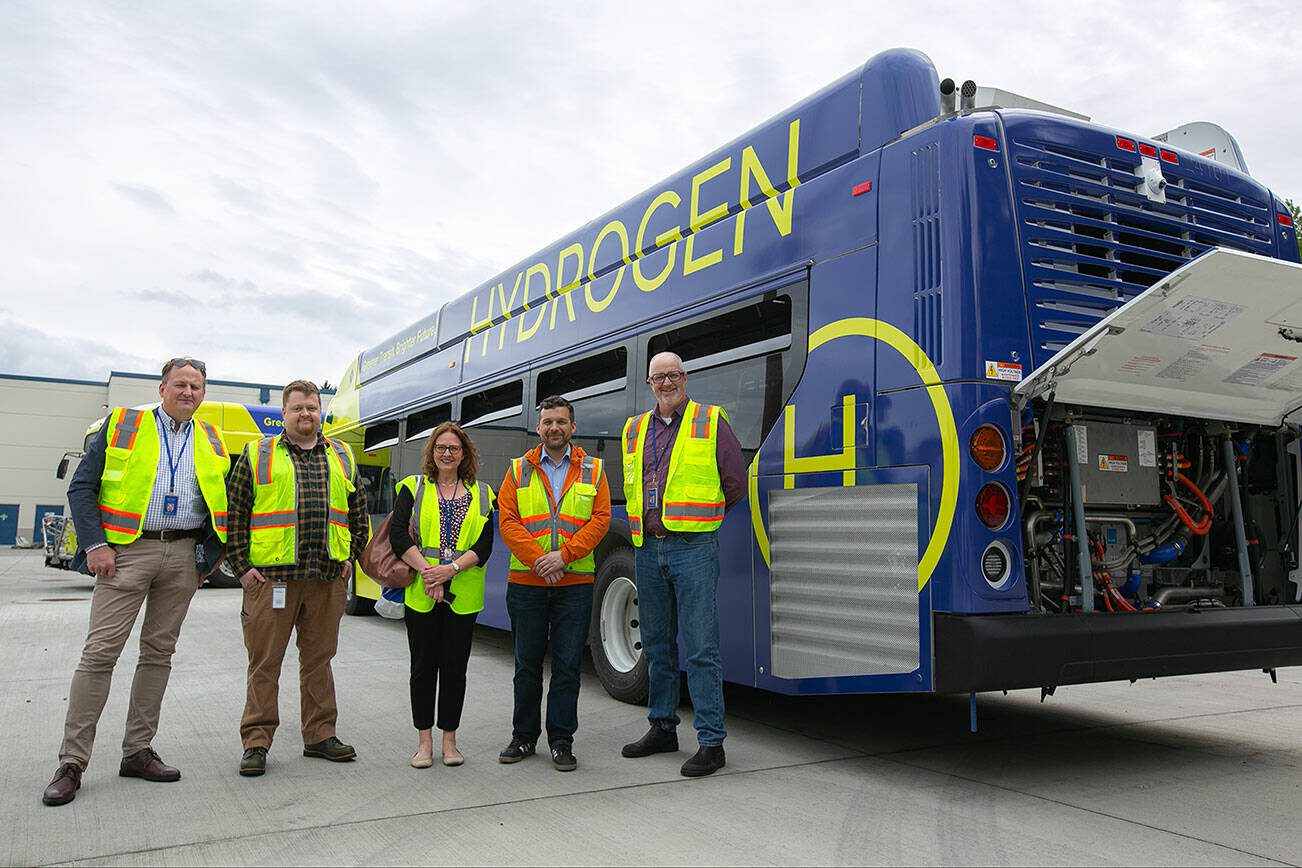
(517, 750)
(656, 740)
(254, 762)
(708, 760)
(563, 759)
(332, 749)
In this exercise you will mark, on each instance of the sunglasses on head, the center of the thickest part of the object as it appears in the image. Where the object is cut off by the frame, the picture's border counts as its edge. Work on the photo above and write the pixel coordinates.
(181, 362)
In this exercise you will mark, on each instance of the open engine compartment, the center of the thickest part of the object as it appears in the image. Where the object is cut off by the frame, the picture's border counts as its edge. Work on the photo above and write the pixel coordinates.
(1133, 512)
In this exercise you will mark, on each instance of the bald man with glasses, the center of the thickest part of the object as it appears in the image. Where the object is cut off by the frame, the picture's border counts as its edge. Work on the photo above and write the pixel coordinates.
(149, 489)
(683, 470)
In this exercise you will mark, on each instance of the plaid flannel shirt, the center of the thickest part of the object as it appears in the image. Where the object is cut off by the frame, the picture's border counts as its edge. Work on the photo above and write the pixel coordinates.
(312, 480)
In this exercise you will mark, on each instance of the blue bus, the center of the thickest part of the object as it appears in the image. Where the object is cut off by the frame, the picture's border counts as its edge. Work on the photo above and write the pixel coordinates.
(1014, 388)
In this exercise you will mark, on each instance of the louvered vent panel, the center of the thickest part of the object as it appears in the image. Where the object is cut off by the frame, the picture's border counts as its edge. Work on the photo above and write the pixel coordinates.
(1092, 241)
(926, 251)
(843, 596)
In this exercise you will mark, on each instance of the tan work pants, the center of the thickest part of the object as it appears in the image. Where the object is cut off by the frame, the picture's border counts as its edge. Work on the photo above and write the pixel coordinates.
(312, 610)
(162, 577)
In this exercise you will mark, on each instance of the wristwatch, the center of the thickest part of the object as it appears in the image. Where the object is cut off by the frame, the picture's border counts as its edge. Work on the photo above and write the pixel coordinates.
(456, 568)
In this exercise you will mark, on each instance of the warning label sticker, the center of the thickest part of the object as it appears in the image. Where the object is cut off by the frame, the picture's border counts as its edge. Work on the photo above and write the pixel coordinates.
(1191, 364)
(1009, 371)
(1114, 463)
(1141, 364)
(1260, 369)
(1147, 447)
(1193, 318)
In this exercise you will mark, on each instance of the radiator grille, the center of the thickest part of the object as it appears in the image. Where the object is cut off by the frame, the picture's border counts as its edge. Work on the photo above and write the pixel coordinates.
(843, 596)
(1092, 241)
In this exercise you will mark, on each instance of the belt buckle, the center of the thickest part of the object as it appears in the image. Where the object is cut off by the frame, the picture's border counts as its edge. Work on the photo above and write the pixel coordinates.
(660, 535)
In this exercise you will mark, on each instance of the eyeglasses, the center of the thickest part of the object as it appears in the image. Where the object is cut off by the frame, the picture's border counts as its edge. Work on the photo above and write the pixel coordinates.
(447, 450)
(672, 376)
(182, 361)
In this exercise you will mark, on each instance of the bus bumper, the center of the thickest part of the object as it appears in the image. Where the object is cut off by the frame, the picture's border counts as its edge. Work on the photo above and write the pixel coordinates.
(1003, 652)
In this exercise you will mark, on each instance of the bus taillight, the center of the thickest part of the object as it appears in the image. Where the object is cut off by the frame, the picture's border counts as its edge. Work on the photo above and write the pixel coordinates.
(992, 505)
(987, 447)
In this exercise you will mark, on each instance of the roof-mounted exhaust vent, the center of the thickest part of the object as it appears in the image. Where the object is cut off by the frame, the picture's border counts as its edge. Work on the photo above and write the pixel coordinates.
(967, 96)
(947, 96)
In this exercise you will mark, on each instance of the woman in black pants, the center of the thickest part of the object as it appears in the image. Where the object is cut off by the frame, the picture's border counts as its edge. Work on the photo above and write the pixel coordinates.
(443, 528)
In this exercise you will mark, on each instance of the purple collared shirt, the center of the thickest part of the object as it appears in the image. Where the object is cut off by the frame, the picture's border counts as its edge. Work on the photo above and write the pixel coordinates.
(655, 464)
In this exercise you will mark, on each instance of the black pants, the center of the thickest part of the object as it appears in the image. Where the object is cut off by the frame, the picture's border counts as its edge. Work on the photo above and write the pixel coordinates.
(439, 641)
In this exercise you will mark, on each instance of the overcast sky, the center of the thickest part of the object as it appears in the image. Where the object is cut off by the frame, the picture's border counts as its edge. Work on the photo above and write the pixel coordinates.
(274, 187)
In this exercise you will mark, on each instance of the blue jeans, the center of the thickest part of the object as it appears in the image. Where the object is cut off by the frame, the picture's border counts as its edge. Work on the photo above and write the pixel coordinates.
(559, 617)
(676, 582)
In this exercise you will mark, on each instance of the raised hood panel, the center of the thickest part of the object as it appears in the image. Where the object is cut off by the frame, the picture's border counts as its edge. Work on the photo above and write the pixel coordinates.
(1218, 338)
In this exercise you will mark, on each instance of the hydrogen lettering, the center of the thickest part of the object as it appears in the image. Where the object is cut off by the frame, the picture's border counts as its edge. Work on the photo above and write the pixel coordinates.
(712, 198)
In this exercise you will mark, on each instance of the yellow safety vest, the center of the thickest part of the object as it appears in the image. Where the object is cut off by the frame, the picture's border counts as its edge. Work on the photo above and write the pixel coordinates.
(468, 585)
(273, 525)
(131, 463)
(551, 528)
(693, 499)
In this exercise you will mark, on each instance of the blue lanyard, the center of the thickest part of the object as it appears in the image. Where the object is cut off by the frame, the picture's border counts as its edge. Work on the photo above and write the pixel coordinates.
(173, 465)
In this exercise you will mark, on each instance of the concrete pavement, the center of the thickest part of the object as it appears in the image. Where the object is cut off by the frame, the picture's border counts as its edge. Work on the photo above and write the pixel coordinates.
(1195, 770)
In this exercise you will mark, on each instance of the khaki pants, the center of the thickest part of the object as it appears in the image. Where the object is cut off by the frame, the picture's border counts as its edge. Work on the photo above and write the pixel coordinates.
(312, 610)
(162, 577)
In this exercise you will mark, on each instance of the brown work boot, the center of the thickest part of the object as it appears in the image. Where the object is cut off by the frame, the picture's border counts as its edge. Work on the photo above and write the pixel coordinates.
(63, 789)
(332, 749)
(146, 763)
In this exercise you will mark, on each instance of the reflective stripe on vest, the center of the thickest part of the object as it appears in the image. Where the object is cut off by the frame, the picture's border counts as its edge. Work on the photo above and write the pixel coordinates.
(128, 426)
(122, 522)
(213, 440)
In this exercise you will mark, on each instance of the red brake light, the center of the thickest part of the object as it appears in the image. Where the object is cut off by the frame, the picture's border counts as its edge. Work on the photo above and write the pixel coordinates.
(992, 505)
(985, 142)
(1284, 219)
(1147, 150)
(1125, 144)
(860, 189)
(1170, 157)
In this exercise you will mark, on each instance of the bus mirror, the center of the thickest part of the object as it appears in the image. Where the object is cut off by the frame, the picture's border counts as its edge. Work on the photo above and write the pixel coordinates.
(63, 468)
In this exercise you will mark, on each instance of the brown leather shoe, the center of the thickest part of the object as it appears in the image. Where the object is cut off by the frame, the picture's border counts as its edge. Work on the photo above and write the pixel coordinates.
(147, 764)
(63, 789)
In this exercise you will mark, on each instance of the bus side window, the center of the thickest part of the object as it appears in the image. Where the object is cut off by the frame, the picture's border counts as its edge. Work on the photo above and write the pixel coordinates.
(597, 386)
(740, 361)
(494, 419)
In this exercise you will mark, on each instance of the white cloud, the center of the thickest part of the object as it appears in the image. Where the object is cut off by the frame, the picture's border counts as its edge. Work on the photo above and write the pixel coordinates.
(274, 189)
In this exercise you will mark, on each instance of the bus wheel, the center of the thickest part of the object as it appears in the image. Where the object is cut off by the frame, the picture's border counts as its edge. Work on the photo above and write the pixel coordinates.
(355, 605)
(223, 576)
(615, 636)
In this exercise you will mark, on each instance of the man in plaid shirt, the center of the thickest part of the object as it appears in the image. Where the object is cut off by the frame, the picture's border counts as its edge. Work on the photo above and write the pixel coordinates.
(297, 521)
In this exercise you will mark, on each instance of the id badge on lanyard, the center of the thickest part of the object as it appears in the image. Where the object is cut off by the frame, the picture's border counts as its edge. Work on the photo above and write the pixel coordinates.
(278, 590)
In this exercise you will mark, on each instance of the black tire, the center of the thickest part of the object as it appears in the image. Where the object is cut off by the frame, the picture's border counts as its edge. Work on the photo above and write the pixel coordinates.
(355, 605)
(617, 649)
(222, 577)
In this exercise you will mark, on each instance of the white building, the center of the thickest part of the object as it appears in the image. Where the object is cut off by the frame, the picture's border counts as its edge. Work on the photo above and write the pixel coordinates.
(41, 418)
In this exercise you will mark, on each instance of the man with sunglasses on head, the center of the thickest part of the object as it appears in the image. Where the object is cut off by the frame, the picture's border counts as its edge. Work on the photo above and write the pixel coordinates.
(150, 487)
(683, 470)
(298, 521)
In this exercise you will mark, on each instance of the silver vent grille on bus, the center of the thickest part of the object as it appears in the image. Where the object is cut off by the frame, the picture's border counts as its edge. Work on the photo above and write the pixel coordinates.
(1091, 240)
(843, 590)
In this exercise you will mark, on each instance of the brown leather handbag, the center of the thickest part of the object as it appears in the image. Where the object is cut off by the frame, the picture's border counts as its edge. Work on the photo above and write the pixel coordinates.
(379, 562)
